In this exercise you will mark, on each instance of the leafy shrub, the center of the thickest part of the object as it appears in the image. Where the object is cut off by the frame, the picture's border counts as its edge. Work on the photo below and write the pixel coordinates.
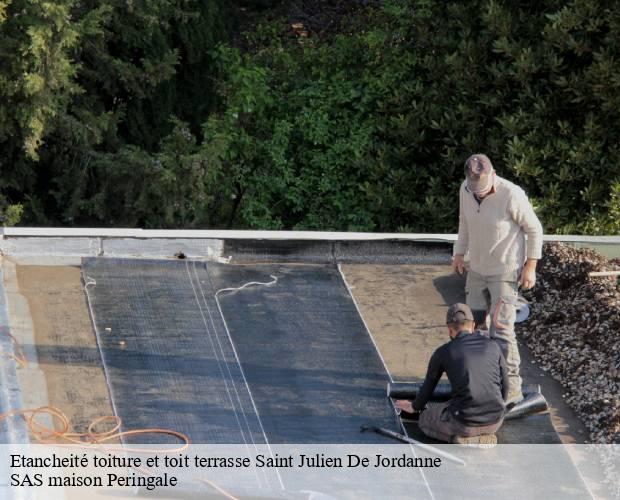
(364, 129)
(369, 130)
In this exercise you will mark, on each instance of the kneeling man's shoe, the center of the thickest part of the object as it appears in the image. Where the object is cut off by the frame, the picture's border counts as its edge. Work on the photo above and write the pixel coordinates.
(482, 441)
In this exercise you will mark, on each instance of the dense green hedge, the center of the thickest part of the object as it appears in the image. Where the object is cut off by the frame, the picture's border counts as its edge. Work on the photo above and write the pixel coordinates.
(366, 129)
(81, 80)
(371, 130)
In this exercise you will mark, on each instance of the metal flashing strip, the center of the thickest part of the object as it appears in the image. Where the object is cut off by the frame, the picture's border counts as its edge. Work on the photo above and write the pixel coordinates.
(223, 234)
(50, 246)
(44, 232)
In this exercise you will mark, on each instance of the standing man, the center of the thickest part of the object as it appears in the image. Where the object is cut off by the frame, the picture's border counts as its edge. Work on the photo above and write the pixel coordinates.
(495, 216)
(476, 369)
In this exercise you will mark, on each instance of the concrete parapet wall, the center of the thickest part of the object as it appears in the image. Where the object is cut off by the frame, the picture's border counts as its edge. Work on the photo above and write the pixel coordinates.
(285, 246)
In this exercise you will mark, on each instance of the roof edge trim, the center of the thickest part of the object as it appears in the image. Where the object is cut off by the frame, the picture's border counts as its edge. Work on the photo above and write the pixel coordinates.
(61, 232)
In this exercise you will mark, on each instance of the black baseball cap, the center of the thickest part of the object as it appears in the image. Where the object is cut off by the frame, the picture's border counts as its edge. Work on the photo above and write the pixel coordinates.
(459, 312)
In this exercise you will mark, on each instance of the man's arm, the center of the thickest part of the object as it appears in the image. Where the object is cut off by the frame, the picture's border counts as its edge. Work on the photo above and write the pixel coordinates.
(523, 214)
(433, 374)
(462, 242)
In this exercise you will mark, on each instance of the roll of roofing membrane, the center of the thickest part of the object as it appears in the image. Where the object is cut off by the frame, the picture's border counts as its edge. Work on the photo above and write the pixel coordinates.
(443, 391)
(533, 401)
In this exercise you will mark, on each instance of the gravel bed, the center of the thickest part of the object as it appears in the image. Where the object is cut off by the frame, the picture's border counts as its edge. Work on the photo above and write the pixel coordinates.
(574, 333)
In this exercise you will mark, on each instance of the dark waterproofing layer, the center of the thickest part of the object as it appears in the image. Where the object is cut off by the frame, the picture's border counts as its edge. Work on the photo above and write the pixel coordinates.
(314, 372)
(168, 358)
(321, 252)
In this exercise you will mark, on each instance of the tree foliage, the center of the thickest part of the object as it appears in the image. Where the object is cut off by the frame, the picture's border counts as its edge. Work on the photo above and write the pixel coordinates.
(82, 81)
(356, 121)
(36, 81)
(370, 130)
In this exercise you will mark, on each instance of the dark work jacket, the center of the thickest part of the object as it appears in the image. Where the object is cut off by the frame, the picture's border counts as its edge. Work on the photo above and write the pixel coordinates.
(477, 373)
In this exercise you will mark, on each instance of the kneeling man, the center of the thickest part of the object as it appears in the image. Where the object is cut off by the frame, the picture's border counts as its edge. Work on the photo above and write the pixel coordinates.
(476, 369)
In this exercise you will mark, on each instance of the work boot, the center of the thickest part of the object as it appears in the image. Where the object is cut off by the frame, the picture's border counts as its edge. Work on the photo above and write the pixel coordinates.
(482, 441)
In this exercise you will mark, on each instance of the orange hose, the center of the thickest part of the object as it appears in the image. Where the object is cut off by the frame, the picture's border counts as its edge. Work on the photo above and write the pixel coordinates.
(49, 435)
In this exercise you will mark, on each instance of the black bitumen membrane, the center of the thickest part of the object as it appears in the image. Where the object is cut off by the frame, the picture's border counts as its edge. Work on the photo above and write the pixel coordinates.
(313, 370)
(309, 363)
(167, 357)
(288, 362)
(332, 252)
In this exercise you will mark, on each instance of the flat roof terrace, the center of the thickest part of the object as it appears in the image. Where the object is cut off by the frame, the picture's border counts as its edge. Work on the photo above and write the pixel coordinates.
(400, 285)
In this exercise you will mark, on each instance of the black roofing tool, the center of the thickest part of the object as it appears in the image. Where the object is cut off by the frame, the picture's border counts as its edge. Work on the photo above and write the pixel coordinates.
(405, 439)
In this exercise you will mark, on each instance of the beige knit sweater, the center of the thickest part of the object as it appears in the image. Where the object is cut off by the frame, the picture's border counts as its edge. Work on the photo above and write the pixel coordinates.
(494, 231)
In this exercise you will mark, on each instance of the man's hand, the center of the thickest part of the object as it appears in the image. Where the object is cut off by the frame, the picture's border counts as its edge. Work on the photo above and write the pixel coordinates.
(458, 263)
(528, 275)
(404, 405)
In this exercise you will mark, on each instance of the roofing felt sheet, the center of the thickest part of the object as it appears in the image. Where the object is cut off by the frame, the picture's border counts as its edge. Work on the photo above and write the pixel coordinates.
(167, 356)
(299, 345)
(312, 367)
(301, 349)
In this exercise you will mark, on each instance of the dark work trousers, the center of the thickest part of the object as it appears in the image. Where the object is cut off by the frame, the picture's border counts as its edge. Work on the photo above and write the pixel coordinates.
(437, 422)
